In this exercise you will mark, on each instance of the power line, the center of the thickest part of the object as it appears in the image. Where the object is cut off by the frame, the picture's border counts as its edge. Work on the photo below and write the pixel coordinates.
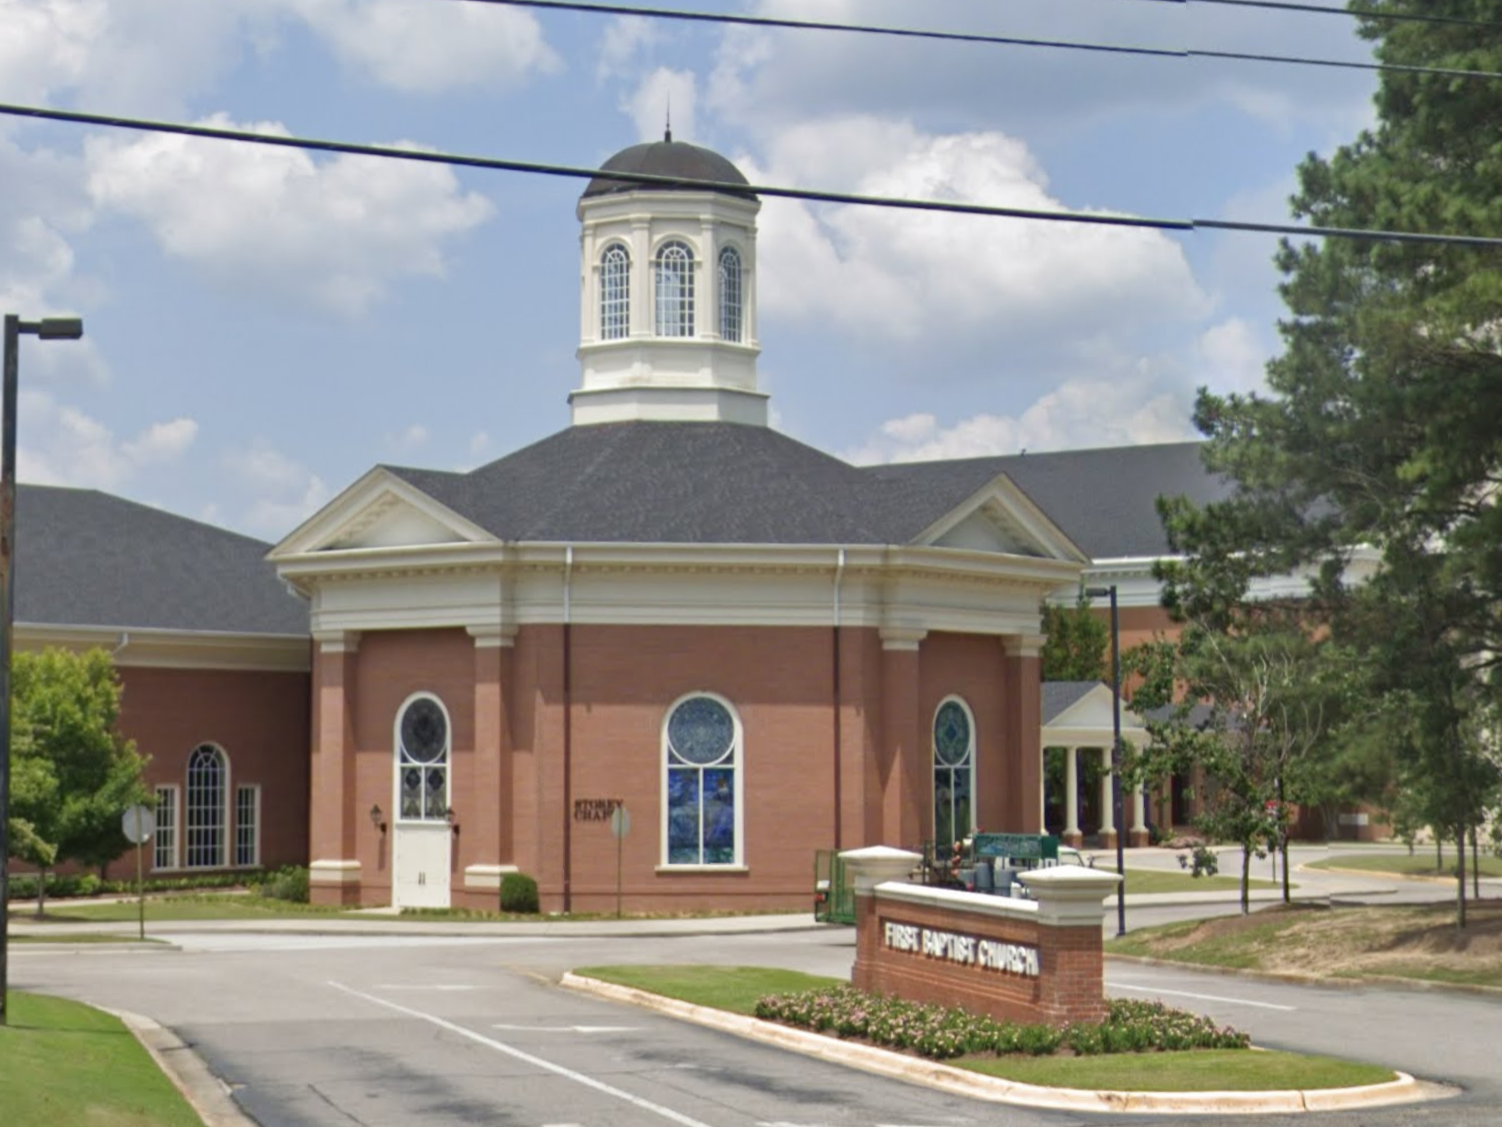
(457, 160)
(601, 8)
(1351, 13)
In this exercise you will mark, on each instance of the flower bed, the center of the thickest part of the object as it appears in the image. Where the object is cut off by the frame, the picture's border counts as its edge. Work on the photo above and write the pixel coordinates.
(942, 1034)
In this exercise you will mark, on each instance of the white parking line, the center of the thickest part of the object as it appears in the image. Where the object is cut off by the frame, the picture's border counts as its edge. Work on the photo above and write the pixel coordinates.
(567, 1073)
(1201, 997)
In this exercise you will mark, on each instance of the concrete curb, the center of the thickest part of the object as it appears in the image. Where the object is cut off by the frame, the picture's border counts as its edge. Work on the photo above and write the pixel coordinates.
(206, 1093)
(962, 1082)
(1422, 985)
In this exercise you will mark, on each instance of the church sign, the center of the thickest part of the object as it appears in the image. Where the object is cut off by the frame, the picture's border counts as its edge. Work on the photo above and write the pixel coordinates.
(1026, 961)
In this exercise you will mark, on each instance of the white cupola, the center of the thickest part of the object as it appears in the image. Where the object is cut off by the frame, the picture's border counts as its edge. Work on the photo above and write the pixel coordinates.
(667, 295)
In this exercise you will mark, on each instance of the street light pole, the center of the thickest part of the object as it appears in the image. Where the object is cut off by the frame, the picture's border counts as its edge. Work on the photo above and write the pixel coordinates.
(49, 328)
(1116, 803)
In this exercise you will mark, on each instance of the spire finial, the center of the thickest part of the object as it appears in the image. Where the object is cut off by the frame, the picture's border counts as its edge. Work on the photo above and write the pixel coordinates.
(667, 132)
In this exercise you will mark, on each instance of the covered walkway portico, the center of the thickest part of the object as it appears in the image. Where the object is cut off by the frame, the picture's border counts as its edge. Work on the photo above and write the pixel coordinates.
(1077, 716)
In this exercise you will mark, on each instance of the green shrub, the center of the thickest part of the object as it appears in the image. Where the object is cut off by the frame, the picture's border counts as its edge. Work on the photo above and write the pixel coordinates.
(289, 883)
(942, 1034)
(518, 893)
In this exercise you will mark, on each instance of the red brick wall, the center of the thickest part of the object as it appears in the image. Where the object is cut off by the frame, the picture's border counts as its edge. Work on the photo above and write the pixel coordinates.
(1070, 983)
(1069, 986)
(259, 719)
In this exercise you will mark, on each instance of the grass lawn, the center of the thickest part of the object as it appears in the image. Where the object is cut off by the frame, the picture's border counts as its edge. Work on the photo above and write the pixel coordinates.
(63, 1064)
(1145, 882)
(1380, 941)
(82, 937)
(736, 989)
(1210, 1070)
(1420, 864)
(179, 908)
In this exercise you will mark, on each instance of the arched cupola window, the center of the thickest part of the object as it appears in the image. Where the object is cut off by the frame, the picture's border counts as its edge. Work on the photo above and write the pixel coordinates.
(954, 772)
(730, 294)
(615, 293)
(675, 290)
(422, 761)
(701, 782)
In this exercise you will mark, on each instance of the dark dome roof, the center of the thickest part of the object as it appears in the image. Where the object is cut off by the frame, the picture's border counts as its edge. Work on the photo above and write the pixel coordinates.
(669, 158)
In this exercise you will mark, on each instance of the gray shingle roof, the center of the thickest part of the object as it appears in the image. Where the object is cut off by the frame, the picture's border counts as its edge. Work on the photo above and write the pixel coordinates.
(655, 482)
(1103, 499)
(658, 482)
(1059, 696)
(85, 558)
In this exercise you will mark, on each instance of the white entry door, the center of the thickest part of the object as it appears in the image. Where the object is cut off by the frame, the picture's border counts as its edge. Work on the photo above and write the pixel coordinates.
(423, 858)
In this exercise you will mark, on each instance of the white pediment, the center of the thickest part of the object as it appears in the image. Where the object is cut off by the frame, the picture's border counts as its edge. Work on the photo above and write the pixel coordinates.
(380, 511)
(1089, 722)
(1001, 518)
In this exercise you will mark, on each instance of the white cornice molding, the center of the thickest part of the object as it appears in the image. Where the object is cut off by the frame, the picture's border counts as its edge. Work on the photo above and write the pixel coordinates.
(175, 649)
(495, 586)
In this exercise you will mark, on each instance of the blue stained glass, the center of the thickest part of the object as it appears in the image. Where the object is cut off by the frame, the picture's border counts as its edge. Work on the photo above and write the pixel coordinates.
(683, 817)
(701, 731)
(719, 817)
(951, 734)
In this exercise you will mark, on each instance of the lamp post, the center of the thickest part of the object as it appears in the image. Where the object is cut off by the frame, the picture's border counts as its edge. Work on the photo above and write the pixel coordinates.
(49, 328)
(1116, 806)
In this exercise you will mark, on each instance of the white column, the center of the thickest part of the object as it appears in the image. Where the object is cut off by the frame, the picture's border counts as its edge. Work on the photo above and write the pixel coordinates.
(1107, 807)
(1071, 790)
(1139, 812)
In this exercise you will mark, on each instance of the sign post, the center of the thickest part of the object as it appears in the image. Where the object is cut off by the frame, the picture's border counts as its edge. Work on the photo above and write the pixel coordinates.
(620, 826)
(138, 823)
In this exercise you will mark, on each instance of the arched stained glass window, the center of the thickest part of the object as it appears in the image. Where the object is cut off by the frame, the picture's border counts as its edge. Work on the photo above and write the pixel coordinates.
(954, 772)
(205, 808)
(730, 294)
(615, 293)
(422, 761)
(675, 290)
(702, 796)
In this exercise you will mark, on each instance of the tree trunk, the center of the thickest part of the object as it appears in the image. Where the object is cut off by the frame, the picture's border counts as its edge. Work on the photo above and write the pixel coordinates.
(41, 890)
(1246, 877)
(1475, 866)
(1439, 854)
(1460, 878)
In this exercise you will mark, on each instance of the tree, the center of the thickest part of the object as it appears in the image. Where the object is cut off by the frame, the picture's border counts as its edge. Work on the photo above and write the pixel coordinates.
(1076, 640)
(1377, 447)
(1252, 701)
(74, 773)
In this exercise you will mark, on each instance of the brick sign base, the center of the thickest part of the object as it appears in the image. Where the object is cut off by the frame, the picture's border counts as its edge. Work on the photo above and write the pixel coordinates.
(1017, 960)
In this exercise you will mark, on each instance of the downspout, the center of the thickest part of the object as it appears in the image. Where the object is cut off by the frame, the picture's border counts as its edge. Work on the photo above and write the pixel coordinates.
(839, 805)
(124, 641)
(568, 732)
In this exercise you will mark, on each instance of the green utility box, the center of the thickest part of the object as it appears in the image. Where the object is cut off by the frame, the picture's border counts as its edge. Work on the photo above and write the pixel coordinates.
(834, 897)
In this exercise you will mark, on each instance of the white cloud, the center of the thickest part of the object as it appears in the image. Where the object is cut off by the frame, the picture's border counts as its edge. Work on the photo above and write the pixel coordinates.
(625, 39)
(1080, 413)
(911, 274)
(1234, 357)
(161, 442)
(661, 94)
(65, 446)
(336, 233)
(284, 492)
(768, 78)
(410, 439)
(423, 46)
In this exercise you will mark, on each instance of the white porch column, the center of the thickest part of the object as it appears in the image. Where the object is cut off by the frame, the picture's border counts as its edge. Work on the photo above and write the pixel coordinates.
(1107, 807)
(1071, 791)
(1139, 813)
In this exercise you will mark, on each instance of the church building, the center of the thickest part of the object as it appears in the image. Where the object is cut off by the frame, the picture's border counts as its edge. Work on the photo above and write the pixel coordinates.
(753, 649)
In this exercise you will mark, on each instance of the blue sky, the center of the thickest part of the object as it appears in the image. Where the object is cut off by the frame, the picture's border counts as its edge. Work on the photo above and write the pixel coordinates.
(264, 325)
